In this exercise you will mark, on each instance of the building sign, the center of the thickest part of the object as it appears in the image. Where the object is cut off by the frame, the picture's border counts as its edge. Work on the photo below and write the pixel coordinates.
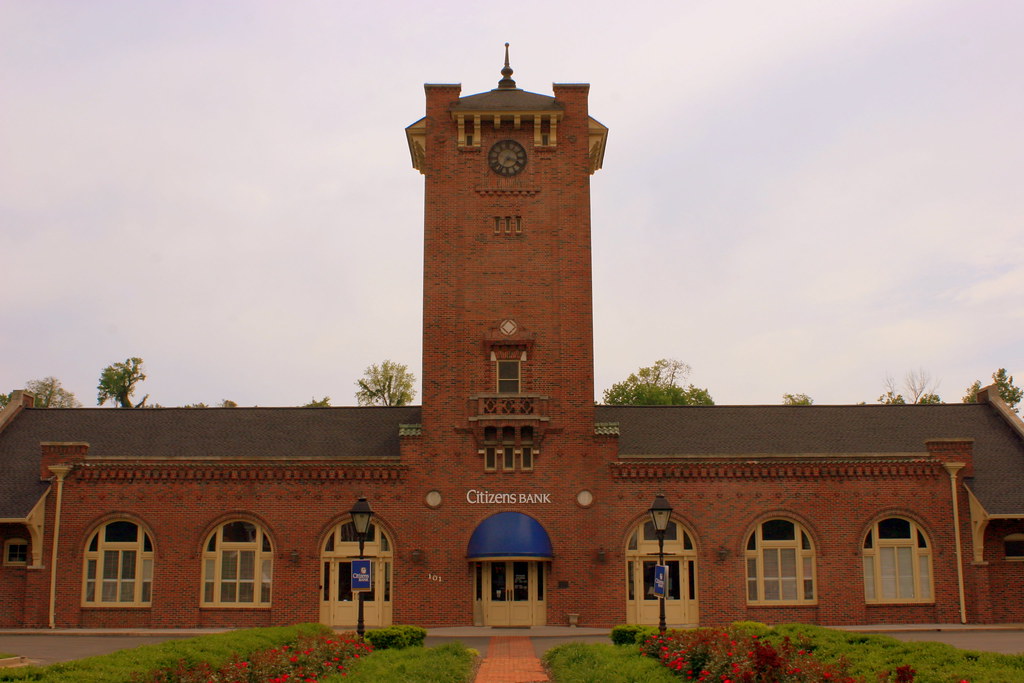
(476, 497)
(660, 573)
(361, 575)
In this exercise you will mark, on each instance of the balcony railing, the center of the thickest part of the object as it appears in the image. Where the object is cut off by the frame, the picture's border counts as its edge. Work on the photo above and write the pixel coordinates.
(511, 405)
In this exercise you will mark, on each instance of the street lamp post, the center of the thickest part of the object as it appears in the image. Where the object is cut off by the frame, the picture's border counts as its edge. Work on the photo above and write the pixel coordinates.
(361, 514)
(661, 512)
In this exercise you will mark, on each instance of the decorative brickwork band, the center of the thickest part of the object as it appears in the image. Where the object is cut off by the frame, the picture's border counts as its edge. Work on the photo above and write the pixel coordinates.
(312, 472)
(774, 471)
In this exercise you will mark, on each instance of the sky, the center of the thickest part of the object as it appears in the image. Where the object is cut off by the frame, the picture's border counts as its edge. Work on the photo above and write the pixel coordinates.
(797, 196)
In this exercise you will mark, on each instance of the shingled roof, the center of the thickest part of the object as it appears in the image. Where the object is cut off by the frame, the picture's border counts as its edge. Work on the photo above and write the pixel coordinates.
(507, 100)
(702, 432)
(717, 431)
(193, 433)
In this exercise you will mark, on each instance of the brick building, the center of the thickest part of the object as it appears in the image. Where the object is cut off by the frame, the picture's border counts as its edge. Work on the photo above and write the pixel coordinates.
(508, 497)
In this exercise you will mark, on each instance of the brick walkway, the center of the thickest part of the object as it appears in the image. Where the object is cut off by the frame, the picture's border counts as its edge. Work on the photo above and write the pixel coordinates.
(510, 659)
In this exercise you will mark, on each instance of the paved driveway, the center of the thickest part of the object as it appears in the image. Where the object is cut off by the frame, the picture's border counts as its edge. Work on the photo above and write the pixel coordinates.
(50, 648)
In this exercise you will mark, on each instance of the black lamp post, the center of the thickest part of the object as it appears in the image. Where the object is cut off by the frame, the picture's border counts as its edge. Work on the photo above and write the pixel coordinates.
(661, 512)
(361, 514)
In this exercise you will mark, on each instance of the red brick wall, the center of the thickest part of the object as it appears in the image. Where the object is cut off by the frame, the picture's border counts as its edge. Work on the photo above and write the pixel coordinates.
(474, 279)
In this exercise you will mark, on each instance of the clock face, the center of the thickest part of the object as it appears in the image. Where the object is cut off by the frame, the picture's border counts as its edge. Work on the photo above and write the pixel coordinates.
(507, 158)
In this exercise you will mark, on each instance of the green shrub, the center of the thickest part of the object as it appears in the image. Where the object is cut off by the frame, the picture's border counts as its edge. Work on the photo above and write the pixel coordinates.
(751, 628)
(448, 663)
(879, 658)
(632, 634)
(396, 637)
(216, 649)
(583, 663)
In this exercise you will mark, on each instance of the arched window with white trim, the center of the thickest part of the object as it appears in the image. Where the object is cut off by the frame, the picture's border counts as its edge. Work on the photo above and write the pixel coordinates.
(237, 566)
(118, 566)
(897, 562)
(780, 564)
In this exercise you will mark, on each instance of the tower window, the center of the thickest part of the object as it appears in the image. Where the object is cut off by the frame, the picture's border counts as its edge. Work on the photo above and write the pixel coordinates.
(508, 376)
(508, 225)
(508, 450)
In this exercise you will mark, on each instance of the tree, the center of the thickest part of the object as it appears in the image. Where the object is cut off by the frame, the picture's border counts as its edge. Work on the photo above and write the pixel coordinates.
(659, 384)
(118, 381)
(5, 399)
(918, 385)
(227, 403)
(387, 384)
(50, 394)
(797, 400)
(1010, 394)
(325, 402)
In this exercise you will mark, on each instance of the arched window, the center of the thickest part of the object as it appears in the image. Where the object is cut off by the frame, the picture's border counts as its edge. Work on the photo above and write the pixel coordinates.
(780, 563)
(15, 552)
(1013, 547)
(237, 566)
(118, 566)
(897, 562)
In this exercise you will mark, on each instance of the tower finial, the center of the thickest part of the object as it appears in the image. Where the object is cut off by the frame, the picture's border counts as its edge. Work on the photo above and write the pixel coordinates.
(506, 83)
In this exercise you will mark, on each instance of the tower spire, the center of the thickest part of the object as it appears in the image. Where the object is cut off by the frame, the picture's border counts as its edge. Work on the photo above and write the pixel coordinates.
(506, 83)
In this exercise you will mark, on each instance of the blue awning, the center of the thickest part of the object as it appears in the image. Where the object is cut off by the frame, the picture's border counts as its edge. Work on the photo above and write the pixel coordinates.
(509, 534)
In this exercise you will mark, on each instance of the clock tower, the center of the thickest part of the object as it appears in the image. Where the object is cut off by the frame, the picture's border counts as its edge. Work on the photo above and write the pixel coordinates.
(508, 313)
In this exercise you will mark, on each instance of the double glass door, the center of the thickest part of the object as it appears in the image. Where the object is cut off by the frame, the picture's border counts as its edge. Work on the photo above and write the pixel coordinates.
(642, 551)
(511, 593)
(339, 604)
(680, 591)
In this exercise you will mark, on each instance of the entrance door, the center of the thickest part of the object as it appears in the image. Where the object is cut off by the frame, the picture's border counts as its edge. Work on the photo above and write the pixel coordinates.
(338, 604)
(679, 592)
(511, 593)
(642, 605)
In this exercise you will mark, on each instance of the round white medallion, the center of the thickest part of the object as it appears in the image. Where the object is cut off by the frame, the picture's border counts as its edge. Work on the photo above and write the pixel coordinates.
(584, 498)
(433, 499)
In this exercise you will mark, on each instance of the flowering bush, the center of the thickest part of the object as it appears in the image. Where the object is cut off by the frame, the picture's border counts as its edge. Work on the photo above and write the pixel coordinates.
(306, 661)
(732, 656)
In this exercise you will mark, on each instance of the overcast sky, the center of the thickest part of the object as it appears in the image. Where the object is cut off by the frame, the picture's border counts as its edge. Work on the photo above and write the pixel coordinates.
(796, 196)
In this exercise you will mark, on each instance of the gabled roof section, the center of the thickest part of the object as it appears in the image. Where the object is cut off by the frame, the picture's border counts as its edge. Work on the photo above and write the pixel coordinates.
(194, 434)
(829, 432)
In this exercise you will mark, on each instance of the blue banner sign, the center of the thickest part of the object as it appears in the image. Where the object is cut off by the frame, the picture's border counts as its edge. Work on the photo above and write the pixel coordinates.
(361, 575)
(660, 574)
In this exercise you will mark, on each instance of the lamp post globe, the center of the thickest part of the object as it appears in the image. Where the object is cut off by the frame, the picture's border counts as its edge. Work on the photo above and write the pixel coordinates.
(661, 513)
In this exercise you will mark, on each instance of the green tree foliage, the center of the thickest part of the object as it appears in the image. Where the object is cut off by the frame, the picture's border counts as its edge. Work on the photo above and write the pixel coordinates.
(50, 394)
(659, 384)
(797, 400)
(387, 384)
(1010, 394)
(118, 383)
(227, 403)
(5, 399)
(324, 402)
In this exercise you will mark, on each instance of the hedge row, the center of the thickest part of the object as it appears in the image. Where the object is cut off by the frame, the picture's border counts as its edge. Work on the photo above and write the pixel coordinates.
(216, 649)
